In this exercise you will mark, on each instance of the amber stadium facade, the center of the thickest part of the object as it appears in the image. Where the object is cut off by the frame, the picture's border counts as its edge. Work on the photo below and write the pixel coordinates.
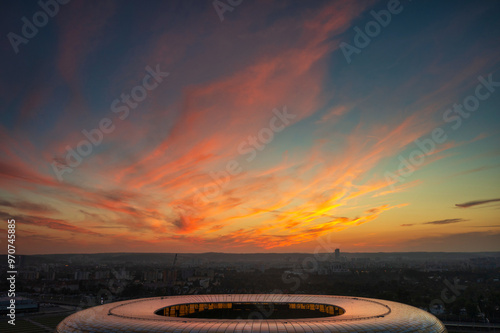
(252, 313)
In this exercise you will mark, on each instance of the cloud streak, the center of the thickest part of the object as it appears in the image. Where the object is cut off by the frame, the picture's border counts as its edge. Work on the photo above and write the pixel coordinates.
(476, 203)
(437, 222)
(446, 221)
(54, 224)
(28, 206)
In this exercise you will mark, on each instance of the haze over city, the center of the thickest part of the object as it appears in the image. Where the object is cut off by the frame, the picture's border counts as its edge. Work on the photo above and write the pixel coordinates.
(284, 126)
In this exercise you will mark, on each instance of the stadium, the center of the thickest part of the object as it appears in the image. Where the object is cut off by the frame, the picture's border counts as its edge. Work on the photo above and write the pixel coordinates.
(252, 313)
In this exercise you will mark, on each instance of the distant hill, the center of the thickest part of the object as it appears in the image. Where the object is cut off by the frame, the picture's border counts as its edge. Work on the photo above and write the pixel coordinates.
(216, 257)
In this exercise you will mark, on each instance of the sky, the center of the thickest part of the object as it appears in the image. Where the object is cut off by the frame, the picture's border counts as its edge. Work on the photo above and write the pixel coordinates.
(250, 126)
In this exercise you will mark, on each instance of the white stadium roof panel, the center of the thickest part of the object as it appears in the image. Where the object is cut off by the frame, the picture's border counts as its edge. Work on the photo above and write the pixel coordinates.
(361, 315)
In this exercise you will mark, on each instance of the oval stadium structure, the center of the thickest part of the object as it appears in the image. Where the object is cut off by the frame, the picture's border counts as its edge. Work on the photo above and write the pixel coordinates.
(252, 313)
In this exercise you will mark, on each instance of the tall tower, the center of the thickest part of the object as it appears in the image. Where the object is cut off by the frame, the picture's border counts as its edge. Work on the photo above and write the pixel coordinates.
(337, 254)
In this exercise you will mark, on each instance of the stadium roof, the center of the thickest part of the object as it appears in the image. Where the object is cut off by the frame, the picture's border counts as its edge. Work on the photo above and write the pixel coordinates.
(361, 315)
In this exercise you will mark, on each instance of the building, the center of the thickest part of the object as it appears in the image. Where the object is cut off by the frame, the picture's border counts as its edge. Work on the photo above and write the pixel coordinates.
(337, 254)
(252, 313)
(81, 275)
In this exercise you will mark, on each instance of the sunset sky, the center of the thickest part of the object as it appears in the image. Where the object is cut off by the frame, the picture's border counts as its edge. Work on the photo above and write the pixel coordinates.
(267, 126)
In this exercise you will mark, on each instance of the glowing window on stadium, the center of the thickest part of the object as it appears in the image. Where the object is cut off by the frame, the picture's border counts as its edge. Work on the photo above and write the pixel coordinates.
(251, 310)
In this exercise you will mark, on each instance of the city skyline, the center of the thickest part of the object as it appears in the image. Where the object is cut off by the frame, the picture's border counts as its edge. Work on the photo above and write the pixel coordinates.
(191, 127)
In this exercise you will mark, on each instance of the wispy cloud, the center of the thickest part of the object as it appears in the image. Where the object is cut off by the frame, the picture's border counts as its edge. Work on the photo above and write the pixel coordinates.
(446, 221)
(437, 222)
(466, 172)
(476, 203)
(50, 223)
(28, 206)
